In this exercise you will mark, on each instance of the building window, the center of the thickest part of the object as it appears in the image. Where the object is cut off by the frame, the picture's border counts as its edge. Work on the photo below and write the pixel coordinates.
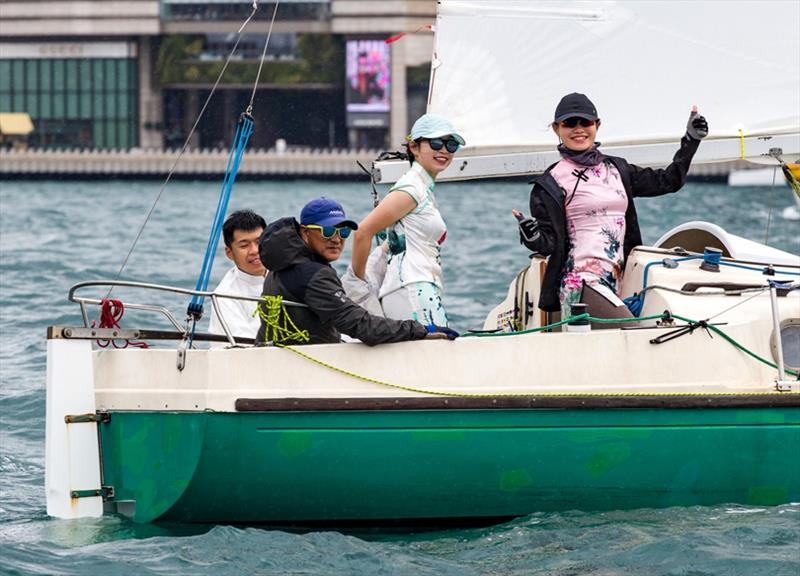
(74, 103)
(282, 46)
(238, 10)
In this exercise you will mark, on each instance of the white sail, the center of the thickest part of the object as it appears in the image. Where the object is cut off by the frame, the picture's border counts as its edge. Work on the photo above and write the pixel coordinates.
(499, 68)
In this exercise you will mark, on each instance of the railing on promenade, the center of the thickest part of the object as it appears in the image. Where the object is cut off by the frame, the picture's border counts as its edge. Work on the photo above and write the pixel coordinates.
(195, 162)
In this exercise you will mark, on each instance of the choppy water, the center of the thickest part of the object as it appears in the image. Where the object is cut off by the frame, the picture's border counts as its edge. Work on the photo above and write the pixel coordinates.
(54, 234)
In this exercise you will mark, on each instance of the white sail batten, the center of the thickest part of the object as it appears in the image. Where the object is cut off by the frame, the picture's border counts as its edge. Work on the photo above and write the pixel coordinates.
(500, 67)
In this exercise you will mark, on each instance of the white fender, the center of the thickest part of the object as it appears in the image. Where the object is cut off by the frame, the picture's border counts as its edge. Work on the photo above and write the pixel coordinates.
(72, 454)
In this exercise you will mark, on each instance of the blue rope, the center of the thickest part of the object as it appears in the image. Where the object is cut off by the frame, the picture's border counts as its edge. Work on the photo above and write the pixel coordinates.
(244, 129)
(635, 303)
(763, 269)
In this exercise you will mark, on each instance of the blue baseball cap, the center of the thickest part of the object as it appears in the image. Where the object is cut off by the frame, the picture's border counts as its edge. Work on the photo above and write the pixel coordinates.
(325, 212)
(434, 126)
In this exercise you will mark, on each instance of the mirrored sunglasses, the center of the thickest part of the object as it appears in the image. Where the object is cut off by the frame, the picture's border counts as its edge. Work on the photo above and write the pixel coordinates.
(574, 121)
(450, 144)
(329, 232)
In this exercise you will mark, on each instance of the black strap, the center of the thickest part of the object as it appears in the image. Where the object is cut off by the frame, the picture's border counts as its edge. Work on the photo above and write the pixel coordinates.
(580, 176)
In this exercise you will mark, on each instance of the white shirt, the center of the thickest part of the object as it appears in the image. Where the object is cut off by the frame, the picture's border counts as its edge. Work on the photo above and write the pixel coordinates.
(424, 231)
(238, 314)
(365, 292)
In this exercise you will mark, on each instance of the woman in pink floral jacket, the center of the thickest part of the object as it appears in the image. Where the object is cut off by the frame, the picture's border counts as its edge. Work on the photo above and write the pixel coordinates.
(584, 219)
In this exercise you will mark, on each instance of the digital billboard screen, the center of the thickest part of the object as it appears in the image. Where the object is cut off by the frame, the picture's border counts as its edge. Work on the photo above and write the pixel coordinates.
(368, 76)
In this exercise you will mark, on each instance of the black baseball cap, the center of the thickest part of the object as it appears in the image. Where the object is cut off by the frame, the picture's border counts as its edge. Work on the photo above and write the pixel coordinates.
(573, 105)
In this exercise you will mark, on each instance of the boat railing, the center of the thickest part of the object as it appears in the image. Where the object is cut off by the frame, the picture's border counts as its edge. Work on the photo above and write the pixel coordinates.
(182, 330)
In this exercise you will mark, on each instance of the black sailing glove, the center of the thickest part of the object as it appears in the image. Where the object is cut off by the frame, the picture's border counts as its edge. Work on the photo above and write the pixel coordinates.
(697, 127)
(528, 228)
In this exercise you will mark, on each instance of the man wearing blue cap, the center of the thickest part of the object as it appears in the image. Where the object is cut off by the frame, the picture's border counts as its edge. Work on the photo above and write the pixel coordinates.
(298, 255)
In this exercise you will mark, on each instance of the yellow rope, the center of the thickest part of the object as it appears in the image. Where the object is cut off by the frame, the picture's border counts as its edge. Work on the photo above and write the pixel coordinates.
(741, 144)
(272, 310)
(509, 395)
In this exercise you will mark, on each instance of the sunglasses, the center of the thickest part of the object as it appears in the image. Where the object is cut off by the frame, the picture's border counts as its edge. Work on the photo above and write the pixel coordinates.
(450, 144)
(574, 121)
(329, 232)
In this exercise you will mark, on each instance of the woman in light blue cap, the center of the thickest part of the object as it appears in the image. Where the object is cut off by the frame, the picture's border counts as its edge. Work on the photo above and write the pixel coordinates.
(412, 286)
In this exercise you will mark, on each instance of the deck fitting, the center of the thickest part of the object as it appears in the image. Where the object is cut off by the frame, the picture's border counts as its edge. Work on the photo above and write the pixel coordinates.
(104, 491)
(102, 417)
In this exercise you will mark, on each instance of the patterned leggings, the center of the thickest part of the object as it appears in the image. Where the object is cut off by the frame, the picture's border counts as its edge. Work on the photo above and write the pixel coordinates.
(420, 301)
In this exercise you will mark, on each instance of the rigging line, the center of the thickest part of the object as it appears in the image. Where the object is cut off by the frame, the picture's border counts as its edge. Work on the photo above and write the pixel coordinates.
(263, 57)
(761, 291)
(183, 148)
(769, 213)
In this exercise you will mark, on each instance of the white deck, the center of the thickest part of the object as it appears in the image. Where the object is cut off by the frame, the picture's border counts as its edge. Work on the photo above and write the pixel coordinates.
(599, 362)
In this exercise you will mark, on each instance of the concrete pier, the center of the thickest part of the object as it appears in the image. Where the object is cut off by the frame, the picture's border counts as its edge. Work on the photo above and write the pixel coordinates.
(199, 163)
(195, 163)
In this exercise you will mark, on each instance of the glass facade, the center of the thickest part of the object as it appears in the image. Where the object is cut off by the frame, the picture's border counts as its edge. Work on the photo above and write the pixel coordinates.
(238, 10)
(74, 103)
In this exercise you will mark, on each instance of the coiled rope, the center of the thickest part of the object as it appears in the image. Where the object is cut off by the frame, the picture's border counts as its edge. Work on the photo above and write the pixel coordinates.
(111, 312)
(280, 325)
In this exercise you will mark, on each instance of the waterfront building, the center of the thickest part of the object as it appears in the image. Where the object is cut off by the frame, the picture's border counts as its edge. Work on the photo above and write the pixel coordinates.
(129, 74)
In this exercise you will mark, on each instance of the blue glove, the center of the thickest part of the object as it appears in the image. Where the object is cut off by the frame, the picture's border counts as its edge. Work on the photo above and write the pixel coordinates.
(450, 333)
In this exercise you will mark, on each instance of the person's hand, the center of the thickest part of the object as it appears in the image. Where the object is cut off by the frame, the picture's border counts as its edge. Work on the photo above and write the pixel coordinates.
(440, 332)
(528, 226)
(697, 127)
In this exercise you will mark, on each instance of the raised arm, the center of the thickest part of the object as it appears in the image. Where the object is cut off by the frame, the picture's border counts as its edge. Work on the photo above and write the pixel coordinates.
(396, 205)
(658, 181)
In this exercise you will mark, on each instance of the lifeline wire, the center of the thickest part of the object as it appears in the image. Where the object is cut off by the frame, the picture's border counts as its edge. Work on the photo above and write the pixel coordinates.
(183, 148)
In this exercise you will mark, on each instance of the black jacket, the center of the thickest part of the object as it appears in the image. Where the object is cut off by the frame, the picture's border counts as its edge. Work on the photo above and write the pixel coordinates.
(297, 274)
(547, 206)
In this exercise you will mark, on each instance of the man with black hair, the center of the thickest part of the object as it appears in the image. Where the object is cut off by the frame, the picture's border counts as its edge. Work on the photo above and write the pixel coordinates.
(241, 232)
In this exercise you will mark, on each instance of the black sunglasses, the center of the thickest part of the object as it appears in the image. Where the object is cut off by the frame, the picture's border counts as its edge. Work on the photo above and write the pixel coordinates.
(574, 121)
(437, 143)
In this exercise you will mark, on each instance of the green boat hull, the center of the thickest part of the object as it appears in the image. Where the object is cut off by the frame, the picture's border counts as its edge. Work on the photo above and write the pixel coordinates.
(340, 466)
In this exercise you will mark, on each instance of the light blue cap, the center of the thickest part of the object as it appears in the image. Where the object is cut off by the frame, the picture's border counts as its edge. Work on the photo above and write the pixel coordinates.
(434, 126)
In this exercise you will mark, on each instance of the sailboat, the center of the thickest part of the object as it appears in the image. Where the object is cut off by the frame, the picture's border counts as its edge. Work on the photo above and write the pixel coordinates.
(698, 404)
